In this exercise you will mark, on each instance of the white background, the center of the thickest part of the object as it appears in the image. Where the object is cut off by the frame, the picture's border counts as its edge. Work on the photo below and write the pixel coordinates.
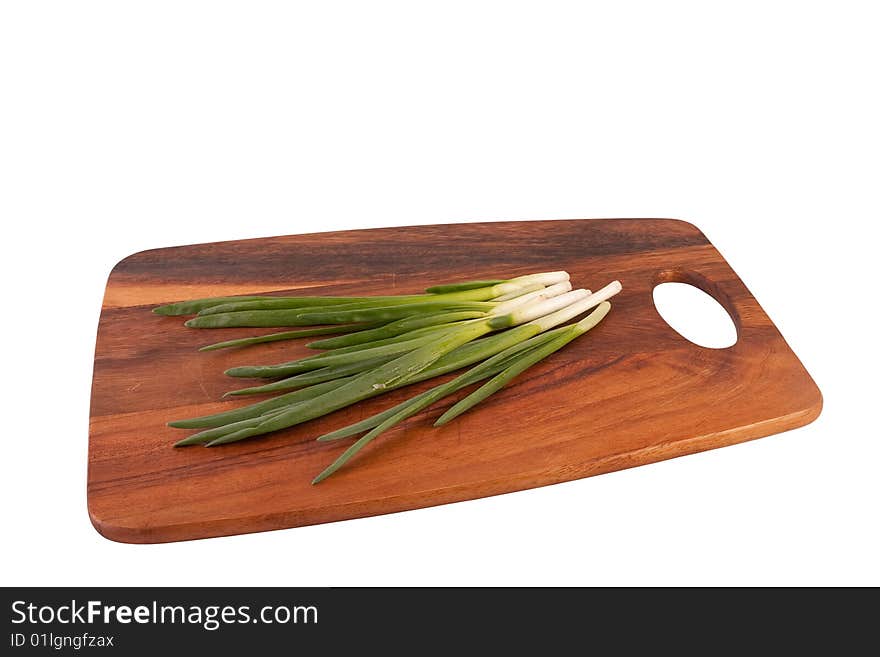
(126, 126)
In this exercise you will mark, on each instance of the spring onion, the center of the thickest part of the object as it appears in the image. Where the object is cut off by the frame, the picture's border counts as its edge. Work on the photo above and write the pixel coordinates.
(498, 327)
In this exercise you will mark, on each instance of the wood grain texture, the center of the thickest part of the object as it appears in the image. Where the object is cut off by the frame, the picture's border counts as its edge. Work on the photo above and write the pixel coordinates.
(631, 392)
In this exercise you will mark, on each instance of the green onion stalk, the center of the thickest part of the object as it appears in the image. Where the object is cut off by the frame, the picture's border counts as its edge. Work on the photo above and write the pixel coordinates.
(455, 351)
(288, 311)
(501, 327)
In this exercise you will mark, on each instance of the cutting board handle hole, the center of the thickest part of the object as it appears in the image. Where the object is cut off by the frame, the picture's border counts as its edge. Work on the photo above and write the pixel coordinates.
(692, 311)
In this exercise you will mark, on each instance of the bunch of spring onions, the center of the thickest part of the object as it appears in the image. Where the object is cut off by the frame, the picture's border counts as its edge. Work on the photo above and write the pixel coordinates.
(380, 343)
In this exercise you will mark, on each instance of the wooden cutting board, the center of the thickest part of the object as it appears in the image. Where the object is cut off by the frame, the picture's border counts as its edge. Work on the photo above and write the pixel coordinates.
(631, 392)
